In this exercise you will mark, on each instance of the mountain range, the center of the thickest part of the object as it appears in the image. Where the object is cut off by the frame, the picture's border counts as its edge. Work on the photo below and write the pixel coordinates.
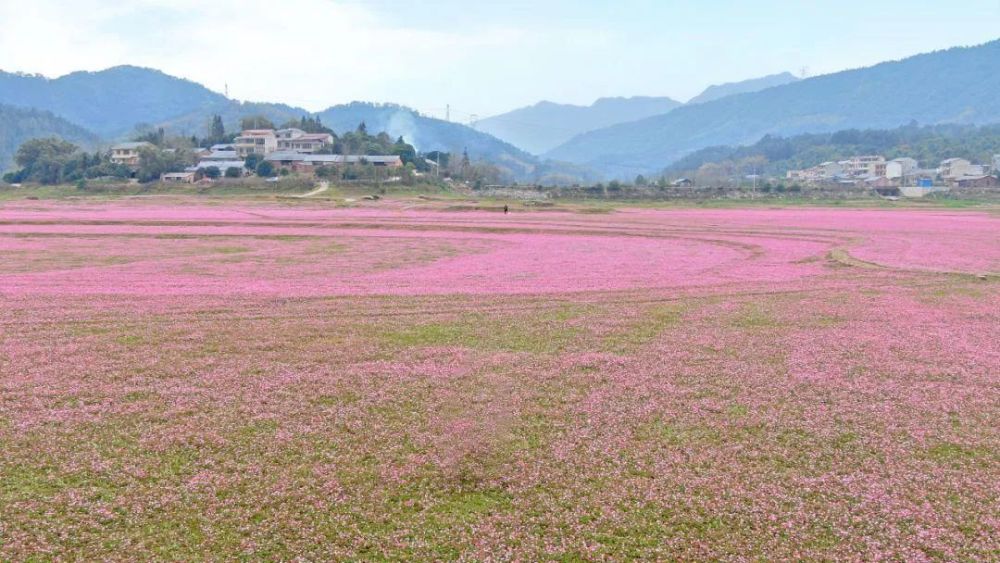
(957, 85)
(644, 135)
(719, 91)
(91, 107)
(546, 125)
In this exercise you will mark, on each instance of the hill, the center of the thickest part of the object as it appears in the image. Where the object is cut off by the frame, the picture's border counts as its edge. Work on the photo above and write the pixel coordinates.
(546, 125)
(112, 101)
(717, 92)
(929, 145)
(953, 86)
(18, 125)
(428, 134)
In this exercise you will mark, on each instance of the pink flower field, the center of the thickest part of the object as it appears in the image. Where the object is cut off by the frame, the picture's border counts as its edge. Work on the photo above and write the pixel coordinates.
(241, 380)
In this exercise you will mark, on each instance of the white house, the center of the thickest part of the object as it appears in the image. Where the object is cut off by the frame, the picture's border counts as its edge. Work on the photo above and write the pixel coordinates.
(256, 141)
(297, 140)
(900, 168)
(956, 168)
(222, 165)
(127, 153)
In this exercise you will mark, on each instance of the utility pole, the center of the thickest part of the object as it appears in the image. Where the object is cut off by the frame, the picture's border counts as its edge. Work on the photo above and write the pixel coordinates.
(447, 112)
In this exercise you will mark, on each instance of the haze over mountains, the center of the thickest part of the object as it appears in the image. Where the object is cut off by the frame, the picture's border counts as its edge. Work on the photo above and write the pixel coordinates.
(617, 137)
(546, 125)
(719, 91)
(88, 107)
(957, 85)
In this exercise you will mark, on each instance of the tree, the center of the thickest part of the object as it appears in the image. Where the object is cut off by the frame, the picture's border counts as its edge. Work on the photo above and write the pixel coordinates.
(640, 180)
(217, 132)
(252, 160)
(44, 160)
(256, 122)
(233, 172)
(212, 172)
(154, 162)
(265, 169)
(362, 129)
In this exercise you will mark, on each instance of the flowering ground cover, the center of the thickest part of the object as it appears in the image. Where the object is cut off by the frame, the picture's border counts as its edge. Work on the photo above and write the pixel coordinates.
(261, 381)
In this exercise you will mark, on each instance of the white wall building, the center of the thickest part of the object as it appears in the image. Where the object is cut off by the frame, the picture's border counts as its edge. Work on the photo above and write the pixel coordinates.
(900, 168)
(256, 141)
(956, 168)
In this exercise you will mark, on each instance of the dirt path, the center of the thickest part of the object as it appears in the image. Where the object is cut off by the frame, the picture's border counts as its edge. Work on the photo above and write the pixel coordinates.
(323, 186)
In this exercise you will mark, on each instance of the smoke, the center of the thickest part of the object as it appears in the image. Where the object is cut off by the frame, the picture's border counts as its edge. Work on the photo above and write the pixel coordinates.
(402, 124)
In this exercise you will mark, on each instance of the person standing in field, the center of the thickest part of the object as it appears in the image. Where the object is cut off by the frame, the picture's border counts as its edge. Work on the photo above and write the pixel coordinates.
(505, 209)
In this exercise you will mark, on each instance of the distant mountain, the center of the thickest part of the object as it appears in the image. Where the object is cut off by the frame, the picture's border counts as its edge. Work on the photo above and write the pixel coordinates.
(953, 86)
(428, 134)
(717, 92)
(112, 101)
(929, 145)
(546, 125)
(18, 125)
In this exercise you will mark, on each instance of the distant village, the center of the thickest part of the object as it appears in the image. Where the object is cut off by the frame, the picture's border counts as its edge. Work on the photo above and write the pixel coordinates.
(288, 150)
(876, 172)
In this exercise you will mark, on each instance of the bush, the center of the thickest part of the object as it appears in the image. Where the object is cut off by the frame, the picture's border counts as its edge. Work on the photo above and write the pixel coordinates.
(233, 172)
(265, 169)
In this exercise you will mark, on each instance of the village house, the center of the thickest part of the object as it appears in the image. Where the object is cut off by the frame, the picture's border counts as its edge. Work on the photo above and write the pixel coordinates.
(306, 163)
(221, 156)
(983, 181)
(824, 172)
(222, 165)
(178, 178)
(996, 163)
(256, 141)
(901, 168)
(953, 168)
(296, 140)
(864, 166)
(128, 153)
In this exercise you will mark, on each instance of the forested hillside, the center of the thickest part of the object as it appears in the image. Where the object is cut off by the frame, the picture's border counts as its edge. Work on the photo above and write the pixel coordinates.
(18, 125)
(929, 145)
(954, 86)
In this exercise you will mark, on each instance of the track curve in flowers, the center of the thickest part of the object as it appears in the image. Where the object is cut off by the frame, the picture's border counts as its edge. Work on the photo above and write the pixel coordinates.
(194, 381)
(171, 250)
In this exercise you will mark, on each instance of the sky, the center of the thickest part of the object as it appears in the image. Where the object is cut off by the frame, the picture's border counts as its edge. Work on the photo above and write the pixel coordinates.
(479, 58)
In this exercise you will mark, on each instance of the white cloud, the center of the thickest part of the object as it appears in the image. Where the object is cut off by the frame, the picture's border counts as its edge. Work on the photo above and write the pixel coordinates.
(304, 52)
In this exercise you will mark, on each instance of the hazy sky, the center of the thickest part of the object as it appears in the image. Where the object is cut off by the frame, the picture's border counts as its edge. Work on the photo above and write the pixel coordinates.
(481, 57)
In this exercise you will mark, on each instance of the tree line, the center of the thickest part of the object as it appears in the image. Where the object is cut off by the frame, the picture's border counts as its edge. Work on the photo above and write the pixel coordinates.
(774, 155)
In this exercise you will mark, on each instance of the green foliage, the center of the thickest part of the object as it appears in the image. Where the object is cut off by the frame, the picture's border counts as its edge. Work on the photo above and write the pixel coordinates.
(18, 125)
(53, 161)
(252, 160)
(212, 172)
(265, 169)
(233, 172)
(308, 124)
(775, 155)
(44, 160)
(931, 88)
(154, 162)
(256, 122)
